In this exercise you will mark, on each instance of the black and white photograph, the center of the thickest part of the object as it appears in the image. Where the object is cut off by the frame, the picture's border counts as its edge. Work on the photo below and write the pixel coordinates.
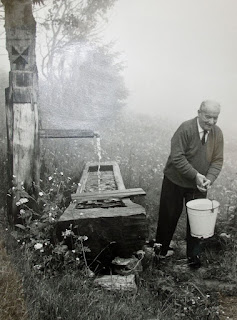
(118, 142)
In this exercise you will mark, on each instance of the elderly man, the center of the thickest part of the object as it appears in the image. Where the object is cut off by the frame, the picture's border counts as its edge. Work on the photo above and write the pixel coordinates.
(194, 163)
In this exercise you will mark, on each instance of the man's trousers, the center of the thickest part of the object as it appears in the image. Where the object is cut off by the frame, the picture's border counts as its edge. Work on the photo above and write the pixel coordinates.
(172, 200)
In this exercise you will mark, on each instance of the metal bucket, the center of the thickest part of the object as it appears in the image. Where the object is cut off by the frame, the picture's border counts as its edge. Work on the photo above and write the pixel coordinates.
(202, 214)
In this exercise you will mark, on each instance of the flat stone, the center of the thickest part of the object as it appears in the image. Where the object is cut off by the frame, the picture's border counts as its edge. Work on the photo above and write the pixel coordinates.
(127, 266)
(117, 283)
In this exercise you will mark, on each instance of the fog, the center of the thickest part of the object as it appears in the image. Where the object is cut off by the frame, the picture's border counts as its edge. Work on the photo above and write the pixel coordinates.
(177, 54)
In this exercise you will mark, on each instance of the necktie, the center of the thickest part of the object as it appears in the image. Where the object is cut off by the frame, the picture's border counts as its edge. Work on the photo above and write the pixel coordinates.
(204, 136)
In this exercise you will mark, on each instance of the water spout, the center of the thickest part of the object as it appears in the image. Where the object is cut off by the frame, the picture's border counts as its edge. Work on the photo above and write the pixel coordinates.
(67, 133)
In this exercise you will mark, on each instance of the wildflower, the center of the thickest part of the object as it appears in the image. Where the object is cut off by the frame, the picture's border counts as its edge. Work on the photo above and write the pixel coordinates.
(67, 233)
(41, 194)
(38, 246)
(50, 178)
(61, 173)
(22, 201)
(22, 211)
(83, 238)
(77, 259)
(73, 251)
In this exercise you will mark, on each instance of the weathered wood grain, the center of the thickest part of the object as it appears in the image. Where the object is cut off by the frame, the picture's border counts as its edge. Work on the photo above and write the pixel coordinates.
(112, 231)
(21, 101)
(125, 193)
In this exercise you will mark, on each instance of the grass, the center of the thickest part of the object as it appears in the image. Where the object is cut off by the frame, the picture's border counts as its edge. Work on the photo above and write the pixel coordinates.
(165, 290)
(12, 302)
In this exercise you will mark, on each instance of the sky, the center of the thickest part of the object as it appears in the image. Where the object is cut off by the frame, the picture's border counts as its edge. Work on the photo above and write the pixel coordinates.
(177, 53)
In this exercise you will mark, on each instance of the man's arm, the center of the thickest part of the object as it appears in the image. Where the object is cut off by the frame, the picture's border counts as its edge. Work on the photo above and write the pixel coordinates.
(179, 143)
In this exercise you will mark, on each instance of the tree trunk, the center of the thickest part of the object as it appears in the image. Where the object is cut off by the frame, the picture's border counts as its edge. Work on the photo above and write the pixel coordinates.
(21, 101)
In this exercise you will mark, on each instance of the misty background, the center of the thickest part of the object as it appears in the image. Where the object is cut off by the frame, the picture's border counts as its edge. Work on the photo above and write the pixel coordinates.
(176, 54)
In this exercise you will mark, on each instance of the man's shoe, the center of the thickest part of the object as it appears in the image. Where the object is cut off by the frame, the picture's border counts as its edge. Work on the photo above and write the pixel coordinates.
(194, 262)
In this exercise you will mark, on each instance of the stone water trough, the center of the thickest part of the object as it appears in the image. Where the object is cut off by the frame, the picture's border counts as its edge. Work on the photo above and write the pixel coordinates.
(102, 210)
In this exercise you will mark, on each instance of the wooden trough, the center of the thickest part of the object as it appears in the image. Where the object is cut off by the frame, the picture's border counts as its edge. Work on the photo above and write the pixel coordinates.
(102, 210)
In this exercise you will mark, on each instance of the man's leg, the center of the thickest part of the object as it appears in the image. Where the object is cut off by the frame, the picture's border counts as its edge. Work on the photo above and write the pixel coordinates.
(193, 243)
(171, 206)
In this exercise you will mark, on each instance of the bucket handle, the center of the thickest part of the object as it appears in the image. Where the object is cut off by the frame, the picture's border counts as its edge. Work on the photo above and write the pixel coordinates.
(212, 209)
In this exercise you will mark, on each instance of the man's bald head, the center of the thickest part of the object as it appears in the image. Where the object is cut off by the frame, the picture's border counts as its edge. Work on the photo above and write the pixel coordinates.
(210, 105)
(208, 114)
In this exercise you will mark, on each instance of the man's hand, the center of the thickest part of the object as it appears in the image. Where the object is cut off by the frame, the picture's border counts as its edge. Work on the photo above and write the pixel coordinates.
(203, 184)
(200, 178)
(207, 184)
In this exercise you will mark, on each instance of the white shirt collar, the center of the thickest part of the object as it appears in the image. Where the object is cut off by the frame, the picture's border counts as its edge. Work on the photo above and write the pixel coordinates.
(200, 129)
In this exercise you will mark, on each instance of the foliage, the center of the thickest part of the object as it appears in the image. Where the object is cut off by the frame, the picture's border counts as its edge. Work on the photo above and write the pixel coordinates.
(90, 90)
(65, 23)
(12, 303)
(47, 251)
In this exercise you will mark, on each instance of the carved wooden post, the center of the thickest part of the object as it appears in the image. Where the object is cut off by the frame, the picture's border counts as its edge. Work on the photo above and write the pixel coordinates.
(21, 100)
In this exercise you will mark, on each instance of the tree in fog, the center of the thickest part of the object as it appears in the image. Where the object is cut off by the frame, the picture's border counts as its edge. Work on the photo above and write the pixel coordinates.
(90, 90)
(83, 82)
(64, 23)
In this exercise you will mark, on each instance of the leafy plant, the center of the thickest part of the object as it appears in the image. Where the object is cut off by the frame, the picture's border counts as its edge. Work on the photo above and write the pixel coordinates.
(37, 236)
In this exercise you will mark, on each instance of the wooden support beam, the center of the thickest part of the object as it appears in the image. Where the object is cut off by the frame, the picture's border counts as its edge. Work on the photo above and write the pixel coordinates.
(21, 103)
(63, 133)
(126, 193)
